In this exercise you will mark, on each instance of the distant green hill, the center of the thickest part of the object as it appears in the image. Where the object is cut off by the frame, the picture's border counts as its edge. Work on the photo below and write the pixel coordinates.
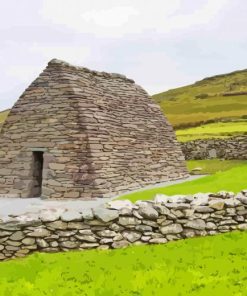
(217, 98)
(3, 116)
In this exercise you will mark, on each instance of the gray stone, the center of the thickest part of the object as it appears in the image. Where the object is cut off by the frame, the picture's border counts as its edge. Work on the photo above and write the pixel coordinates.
(86, 232)
(42, 243)
(87, 214)
(120, 244)
(232, 202)
(107, 233)
(204, 209)
(197, 224)
(217, 204)
(178, 206)
(171, 229)
(211, 225)
(39, 232)
(17, 236)
(105, 215)
(5, 233)
(86, 238)
(131, 236)
(148, 212)
(104, 241)
(13, 243)
(89, 245)
(69, 245)
(125, 221)
(49, 216)
(242, 226)
(143, 228)
(119, 204)
(71, 216)
(58, 225)
(28, 241)
(161, 209)
(158, 241)
(125, 212)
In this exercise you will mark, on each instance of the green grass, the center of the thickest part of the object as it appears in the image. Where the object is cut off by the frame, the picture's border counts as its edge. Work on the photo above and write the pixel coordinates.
(213, 165)
(196, 267)
(234, 180)
(213, 130)
(3, 115)
(183, 108)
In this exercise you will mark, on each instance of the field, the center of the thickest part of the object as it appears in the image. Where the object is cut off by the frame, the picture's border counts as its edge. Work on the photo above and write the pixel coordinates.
(234, 179)
(222, 97)
(220, 130)
(199, 266)
(212, 166)
(3, 115)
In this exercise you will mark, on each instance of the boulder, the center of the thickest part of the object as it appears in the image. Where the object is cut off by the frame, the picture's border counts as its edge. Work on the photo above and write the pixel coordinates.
(148, 212)
(105, 215)
(127, 221)
(39, 232)
(131, 236)
(71, 216)
(17, 236)
(217, 204)
(119, 204)
(197, 224)
(171, 229)
(158, 241)
(87, 214)
(120, 244)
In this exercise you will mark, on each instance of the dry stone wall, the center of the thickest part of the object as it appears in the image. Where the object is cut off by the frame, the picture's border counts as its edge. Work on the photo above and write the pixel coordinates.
(122, 223)
(101, 135)
(232, 148)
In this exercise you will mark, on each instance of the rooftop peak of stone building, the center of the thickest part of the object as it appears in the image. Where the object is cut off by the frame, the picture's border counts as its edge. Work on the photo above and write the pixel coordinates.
(93, 72)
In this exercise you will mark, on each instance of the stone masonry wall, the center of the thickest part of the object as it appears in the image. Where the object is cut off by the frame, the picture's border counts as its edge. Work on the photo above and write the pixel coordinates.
(123, 223)
(231, 148)
(101, 134)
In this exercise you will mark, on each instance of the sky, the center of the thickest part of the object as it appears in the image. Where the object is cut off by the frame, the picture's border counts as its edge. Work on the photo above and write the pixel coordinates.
(161, 44)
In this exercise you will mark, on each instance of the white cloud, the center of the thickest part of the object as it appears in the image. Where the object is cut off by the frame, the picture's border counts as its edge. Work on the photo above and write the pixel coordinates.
(114, 19)
(71, 54)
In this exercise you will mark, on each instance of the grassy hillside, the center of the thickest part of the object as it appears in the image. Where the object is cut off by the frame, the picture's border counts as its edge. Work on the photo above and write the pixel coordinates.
(221, 97)
(220, 130)
(3, 116)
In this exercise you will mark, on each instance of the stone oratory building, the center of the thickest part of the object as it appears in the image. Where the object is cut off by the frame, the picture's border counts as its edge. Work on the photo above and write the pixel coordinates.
(77, 133)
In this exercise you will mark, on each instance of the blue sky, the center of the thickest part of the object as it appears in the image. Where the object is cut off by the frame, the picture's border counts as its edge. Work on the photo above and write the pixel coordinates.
(161, 44)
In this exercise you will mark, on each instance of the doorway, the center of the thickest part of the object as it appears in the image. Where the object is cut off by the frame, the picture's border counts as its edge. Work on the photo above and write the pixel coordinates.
(38, 160)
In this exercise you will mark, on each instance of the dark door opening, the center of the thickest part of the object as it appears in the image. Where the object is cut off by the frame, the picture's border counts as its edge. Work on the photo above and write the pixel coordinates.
(38, 160)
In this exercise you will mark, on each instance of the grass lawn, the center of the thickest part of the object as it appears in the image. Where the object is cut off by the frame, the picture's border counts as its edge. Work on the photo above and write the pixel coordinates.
(213, 165)
(199, 266)
(219, 130)
(234, 179)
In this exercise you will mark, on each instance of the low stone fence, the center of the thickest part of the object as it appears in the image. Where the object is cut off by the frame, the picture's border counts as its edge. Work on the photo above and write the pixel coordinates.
(231, 148)
(146, 222)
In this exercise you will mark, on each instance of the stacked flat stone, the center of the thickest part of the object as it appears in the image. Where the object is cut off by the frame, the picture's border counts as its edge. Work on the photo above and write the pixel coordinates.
(230, 148)
(101, 134)
(122, 223)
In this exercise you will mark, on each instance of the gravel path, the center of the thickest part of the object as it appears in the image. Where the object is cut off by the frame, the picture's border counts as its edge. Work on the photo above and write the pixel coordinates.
(19, 206)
